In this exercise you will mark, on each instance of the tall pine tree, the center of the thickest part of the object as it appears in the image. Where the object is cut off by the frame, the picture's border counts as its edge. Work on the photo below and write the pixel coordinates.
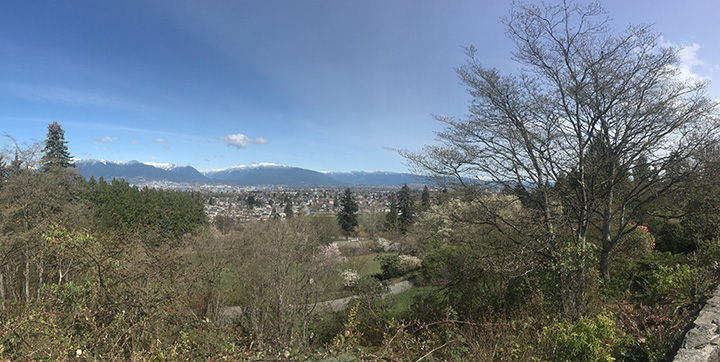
(288, 209)
(56, 153)
(425, 199)
(347, 217)
(406, 209)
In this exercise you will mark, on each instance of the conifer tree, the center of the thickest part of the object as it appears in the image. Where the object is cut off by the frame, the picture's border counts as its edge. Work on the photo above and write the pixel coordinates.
(288, 209)
(347, 217)
(56, 153)
(425, 198)
(406, 209)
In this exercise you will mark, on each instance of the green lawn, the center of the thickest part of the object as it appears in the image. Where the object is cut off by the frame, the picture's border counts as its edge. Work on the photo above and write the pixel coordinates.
(364, 264)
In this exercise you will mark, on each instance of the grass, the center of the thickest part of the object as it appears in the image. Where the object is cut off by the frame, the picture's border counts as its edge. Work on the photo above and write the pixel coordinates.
(365, 264)
(403, 301)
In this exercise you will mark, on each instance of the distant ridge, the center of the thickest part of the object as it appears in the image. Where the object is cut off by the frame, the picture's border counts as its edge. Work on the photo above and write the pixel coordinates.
(137, 172)
(273, 175)
(255, 175)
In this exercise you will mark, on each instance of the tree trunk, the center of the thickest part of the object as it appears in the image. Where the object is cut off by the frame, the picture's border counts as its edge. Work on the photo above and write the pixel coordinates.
(2, 291)
(605, 263)
(27, 279)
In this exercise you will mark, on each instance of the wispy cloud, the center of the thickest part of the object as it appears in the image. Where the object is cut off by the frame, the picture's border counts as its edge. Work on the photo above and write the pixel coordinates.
(159, 140)
(104, 140)
(135, 142)
(65, 95)
(241, 141)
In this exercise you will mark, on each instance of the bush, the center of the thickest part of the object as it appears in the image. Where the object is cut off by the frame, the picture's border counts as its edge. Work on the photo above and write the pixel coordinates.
(708, 254)
(350, 278)
(587, 340)
(390, 265)
(678, 284)
(409, 263)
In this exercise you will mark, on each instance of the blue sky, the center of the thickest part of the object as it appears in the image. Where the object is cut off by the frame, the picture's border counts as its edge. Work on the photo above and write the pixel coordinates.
(326, 85)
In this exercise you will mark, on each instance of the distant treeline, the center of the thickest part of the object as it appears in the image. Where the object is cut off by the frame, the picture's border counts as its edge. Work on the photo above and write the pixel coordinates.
(122, 206)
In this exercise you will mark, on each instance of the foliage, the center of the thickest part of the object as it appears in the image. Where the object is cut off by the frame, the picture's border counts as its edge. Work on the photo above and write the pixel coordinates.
(586, 340)
(288, 210)
(165, 213)
(283, 272)
(347, 216)
(593, 130)
(390, 265)
(408, 263)
(56, 155)
(406, 209)
(391, 218)
(651, 332)
(350, 278)
(425, 202)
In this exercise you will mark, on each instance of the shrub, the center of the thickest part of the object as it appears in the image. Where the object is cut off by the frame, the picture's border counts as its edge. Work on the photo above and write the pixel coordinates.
(678, 284)
(350, 278)
(586, 340)
(708, 253)
(390, 265)
(408, 263)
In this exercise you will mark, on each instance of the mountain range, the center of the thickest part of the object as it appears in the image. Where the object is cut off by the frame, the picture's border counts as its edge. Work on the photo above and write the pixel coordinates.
(256, 175)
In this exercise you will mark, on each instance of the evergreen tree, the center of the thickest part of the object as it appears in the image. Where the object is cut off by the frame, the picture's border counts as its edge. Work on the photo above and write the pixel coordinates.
(347, 217)
(288, 209)
(56, 151)
(425, 198)
(15, 165)
(251, 201)
(391, 219)
(3, 169)
(406, 212)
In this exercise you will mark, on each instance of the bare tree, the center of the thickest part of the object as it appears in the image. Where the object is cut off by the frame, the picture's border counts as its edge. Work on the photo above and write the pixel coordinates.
(569, 134)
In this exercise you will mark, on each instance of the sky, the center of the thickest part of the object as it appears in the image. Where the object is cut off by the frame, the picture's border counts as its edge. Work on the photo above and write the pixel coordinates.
(328, 85)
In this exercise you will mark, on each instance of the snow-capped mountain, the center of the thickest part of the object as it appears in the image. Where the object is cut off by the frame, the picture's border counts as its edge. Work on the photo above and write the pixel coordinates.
(255, 175)
(137, 172)
(268, 174)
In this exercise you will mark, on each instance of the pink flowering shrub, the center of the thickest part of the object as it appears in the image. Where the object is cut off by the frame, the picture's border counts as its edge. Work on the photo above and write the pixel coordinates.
(650, 237)
(635, 243)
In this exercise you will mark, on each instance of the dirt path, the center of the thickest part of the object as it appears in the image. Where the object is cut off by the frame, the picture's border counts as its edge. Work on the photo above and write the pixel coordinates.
(230, 312)
(342, 303)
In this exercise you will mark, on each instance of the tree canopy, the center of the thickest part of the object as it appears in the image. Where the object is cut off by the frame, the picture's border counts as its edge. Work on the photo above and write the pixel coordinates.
(347, 217)
(56, 153)
(570, 134)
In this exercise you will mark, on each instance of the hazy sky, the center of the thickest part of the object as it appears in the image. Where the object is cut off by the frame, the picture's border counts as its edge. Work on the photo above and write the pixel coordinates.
(325, 85)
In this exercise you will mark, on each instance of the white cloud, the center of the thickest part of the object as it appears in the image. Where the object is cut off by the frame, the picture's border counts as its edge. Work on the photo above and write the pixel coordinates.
(241, 141)
(134, 142)
(691, 66)
(159, 140)
(690, 61)
(104, 140)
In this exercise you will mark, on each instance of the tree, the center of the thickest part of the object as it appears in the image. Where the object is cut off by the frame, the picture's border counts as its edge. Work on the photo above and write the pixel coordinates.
(288, 209)
(347, 218)
(425, 198)
(56, 153)
(587, 108)
(406, 209)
